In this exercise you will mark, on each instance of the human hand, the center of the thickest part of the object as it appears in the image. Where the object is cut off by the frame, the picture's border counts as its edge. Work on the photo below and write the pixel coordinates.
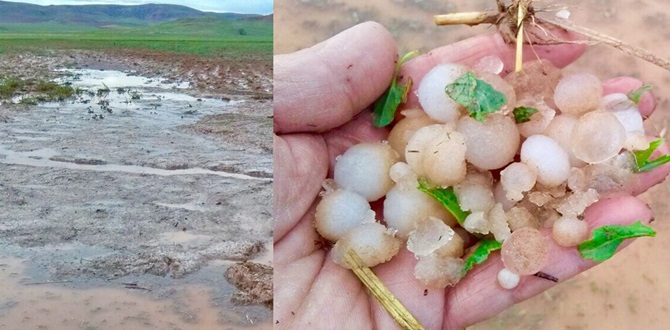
(320, 100)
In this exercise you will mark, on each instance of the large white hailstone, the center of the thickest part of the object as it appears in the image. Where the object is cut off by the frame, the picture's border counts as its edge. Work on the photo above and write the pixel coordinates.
(403, 130)
(439, 272)
(525, 252)
(339, 211)
(429, 235)
(597, 137)
(508, 279)
(364, 168)
(405, 206)
(547, 158)
(417, 144)
(444, 159)
(560, 129)
(516, 179)
(371, 241)
(491, 144)
(630, 118)
(570, 231)
(578, 93)
(432, 96)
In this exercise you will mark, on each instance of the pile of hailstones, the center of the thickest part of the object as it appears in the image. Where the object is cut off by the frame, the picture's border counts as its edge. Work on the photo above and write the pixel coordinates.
(513, 178)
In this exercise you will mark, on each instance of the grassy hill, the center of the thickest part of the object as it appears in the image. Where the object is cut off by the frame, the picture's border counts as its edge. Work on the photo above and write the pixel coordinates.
(207, 36)
(100, 15)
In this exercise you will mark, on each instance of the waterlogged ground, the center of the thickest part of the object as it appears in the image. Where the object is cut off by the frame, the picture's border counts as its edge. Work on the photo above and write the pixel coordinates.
(631, 291)
(123, 208)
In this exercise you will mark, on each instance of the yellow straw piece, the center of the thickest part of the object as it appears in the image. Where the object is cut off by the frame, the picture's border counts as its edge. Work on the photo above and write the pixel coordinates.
(390, 303)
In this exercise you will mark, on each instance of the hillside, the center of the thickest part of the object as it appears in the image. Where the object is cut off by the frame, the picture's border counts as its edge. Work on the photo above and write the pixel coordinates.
(104, 15)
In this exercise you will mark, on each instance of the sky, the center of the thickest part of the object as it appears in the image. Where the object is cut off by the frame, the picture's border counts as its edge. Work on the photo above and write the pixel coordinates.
(237, 6)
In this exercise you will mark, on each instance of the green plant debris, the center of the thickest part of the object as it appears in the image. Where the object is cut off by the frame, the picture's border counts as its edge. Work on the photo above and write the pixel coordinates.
(636, 95)
(523, 114)
(387, 104)
(481, 253)
(642, 162)
(446, 197)
(606, 239)
(477, 96)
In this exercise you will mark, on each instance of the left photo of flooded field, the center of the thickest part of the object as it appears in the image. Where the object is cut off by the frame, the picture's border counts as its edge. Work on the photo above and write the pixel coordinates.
(136, 164)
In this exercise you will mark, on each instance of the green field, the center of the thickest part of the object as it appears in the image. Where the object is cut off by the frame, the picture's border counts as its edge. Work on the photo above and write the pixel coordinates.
(200, 36)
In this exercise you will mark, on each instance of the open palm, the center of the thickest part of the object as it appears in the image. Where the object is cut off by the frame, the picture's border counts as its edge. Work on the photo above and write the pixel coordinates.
(320, 97)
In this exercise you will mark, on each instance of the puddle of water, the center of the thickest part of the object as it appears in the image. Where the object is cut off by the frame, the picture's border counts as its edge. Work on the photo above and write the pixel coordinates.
(29, 305)
(191, 206)
(37, 159)
(181, 237)
(114, 79)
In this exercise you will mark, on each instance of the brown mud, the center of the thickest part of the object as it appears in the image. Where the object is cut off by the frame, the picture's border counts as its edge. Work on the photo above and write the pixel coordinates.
(123, 209)
(631, 290)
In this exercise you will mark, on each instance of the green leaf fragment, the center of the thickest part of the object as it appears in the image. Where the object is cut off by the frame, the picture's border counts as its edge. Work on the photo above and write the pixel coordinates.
(477, 96)
(642, 162)
(606, 239)
(386, 106)
(447, 198)
(636, 95)
(481, 253)
(523, 114)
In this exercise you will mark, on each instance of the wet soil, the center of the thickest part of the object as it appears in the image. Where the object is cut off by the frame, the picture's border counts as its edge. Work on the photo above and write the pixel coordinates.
(134, 198)
(628, 292)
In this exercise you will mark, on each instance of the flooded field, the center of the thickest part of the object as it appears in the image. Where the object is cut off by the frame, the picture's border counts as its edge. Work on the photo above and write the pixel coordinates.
(628, 292)
(124, 207)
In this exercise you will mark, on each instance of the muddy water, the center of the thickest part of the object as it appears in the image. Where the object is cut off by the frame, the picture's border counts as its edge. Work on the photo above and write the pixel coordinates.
(116, 214)
(631, 290)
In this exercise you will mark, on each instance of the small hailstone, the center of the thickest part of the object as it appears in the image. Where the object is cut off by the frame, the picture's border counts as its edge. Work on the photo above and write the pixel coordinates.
(373, 243)
(488, 64)
(439, 272)
(507, 279)
(428, 236)
(476, 222)
(570, 231)
(563, 14)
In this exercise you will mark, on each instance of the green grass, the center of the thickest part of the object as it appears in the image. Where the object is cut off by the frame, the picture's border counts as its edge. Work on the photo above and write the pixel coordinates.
(204, 36)
(39, 90)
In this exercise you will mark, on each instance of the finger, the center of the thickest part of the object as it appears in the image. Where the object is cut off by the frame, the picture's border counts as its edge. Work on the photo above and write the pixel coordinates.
(335, 293)
(424, 303)
(325, 86)
(480, 288)
(301, 164)
(625, 85)
(471, 50)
